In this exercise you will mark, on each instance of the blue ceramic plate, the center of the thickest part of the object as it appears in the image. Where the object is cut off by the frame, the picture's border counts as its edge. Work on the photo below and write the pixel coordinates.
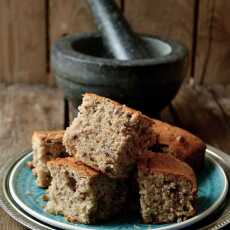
(212, 184)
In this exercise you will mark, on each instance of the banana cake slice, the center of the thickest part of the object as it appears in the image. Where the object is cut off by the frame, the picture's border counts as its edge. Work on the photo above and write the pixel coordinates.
(83, 194)
(46, 145)
(167, 188)
(180, 143)
(108, 136)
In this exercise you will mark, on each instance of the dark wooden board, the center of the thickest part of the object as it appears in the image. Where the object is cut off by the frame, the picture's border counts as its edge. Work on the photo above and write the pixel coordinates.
(213, 42)
(168, 115)
(25, 109)
(198, 110)
(221, 92)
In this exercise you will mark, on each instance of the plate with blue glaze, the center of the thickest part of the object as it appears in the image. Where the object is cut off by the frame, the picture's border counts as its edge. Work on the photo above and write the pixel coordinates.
(212, 190)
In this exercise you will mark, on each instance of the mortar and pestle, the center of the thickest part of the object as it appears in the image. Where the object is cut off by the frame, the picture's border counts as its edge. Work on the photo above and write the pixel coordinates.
(141, 71)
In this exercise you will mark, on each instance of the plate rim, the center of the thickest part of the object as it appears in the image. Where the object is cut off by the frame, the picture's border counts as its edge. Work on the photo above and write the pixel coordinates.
(56, 223)
(25, 215)
(7, 203)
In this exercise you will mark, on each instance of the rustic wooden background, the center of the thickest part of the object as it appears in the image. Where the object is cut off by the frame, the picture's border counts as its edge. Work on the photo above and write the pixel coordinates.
(28, 28)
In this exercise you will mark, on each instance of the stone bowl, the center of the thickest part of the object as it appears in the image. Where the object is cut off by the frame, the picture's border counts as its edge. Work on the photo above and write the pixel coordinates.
(81, 64)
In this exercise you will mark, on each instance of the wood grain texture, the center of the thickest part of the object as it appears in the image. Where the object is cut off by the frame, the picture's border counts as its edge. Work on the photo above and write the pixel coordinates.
(73, 16)
(68, 18)
(168, 18)
(221, 93)
(168, 115)
(199, 111)
(213, 42)
(7, 223)
(23, 41)
(24, 109)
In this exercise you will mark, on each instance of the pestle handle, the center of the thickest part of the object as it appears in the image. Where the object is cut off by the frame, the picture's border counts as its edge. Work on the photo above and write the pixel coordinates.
(117, 35)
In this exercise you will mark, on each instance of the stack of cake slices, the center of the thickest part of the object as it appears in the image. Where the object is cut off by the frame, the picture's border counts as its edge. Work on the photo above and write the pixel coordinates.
(113, 160)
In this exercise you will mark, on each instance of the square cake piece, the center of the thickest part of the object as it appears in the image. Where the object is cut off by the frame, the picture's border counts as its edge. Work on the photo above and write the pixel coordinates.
(83, 194)
(108, 136)
(180, 143)
(167, 188)
(46, 145)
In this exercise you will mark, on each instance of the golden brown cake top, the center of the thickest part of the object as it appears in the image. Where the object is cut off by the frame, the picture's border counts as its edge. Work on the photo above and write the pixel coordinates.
(77, 166)
(94, 98)
(178, 140)
(165, 163)
(48, 136)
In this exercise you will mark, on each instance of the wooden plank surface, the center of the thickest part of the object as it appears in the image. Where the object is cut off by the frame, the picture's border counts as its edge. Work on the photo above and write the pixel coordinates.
(7, 223)
(168, 18)
(198, 110)
(24, 109)
(71, 17)
(168, 115)
(68, 18)
(23, 41)
(213, 42)
(221, 92)
(64, 19)
(28, 27)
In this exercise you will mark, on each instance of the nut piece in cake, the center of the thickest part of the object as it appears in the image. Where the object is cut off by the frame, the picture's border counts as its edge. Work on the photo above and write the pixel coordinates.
(108, 136)
(80, 193)
(46, 145)
(180, 143)
(167, 188)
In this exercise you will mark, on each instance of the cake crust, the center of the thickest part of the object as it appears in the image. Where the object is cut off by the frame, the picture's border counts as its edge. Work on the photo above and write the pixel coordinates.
(46, 145)
(180, 143)
(49, 136)
(150, 162)
(75, 165)
(167, 188)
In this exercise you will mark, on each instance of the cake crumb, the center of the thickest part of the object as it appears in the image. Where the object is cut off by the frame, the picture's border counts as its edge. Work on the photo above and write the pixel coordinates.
(29, 165)
(71, 219)
(46, 145)
(45, 197)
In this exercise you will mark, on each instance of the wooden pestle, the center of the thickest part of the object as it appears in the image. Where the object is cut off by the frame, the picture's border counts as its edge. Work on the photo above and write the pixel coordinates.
(121, 42)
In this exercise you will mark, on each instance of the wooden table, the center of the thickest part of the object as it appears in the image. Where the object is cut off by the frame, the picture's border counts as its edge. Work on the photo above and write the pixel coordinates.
(203, 110)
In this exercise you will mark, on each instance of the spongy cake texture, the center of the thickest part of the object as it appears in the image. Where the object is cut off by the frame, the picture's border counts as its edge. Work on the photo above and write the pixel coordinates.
(167, 188)
(108, 136)
(46, 145)
(180, 143)
(82, 194)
